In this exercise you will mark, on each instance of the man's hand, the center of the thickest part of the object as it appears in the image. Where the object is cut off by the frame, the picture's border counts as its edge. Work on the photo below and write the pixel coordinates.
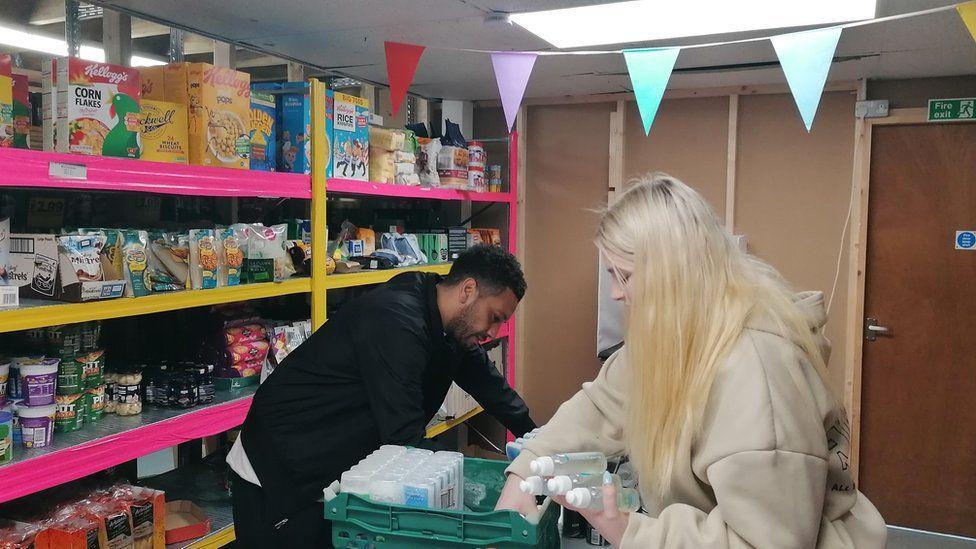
(512, 498)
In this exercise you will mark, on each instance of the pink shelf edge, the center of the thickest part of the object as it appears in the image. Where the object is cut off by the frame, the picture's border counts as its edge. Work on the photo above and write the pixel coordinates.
(348, 186)
(27, 168)
(47, 470)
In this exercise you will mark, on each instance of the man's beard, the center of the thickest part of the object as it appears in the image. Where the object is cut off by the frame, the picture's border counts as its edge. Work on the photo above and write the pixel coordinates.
(462, 329)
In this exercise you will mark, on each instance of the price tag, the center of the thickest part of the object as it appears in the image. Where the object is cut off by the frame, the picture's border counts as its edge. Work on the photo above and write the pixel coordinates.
(9, 297)
(45, 212)
(61, 170)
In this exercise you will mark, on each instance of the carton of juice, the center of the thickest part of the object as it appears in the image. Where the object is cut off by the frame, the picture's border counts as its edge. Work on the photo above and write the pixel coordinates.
(164, 131)
(91, 108)
(21, 111)
(218, 104)
(350, 137)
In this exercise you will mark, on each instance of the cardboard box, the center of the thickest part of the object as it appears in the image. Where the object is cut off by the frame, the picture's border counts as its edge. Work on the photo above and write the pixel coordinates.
(152, 82)
(37, 267)
(21, 112)
(163, 128)
(350, 137)
(264, 129)
(185, 521)
(91, 108)
(218, 104)
(296, 131)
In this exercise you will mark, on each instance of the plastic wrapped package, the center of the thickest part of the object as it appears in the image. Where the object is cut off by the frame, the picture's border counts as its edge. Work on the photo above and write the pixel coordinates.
(204, 260)
(266, 254)
(231, 256)
(135, 263)
(83, 254)
(426, 165)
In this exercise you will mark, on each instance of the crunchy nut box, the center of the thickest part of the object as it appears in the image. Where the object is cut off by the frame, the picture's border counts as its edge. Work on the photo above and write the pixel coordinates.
(218, 105)
(164, 131)
(152, 82)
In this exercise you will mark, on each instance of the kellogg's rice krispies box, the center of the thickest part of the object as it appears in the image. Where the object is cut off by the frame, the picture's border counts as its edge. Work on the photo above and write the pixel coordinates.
(350, 137)
(264, 126)
(164, 131)
(91, 108)
(218, 104)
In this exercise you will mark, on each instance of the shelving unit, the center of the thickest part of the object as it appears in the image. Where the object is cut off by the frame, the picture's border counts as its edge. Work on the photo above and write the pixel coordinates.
(115, 439)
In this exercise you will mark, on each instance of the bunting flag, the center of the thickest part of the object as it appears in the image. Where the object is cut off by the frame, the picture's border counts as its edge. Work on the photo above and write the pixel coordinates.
(512, 71)
(967, 12)
(806, 58)
(650, 70)
(401, 64)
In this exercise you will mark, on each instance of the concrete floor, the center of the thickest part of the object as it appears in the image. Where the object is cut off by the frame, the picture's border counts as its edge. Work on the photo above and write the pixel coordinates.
(898, 538)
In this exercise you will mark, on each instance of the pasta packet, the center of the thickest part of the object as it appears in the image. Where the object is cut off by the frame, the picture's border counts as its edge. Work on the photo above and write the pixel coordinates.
(135, 263)
(231, 256)
(204, 261)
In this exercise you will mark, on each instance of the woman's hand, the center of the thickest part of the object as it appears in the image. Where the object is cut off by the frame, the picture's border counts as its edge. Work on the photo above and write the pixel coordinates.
(512, 498)
(609, 521)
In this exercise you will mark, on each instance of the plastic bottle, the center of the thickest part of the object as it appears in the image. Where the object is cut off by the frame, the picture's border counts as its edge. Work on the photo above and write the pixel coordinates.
(628, 500)
(534, 486)
(562, 484)
(568, 464)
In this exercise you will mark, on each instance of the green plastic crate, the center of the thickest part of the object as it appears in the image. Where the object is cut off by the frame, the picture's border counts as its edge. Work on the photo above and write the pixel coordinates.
(358, 523)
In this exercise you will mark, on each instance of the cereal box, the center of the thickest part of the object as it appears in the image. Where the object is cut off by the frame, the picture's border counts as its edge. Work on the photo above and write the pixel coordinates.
(95, 109)
(152, 82)
(6, 111)
(350, 137)
(163, 126)
(296, 129)
(21, 112)
(264, 143)
(218, 106)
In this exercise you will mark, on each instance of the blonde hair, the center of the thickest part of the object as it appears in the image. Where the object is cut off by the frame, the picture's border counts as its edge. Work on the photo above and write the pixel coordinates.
(691, 291)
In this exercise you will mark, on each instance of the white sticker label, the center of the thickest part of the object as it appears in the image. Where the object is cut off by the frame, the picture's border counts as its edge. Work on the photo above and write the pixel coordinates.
(344, 117)
(9, 297)
(61, 170)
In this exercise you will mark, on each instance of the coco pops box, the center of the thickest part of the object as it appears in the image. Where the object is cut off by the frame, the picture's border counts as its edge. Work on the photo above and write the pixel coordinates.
(218, 104)
(91, 108)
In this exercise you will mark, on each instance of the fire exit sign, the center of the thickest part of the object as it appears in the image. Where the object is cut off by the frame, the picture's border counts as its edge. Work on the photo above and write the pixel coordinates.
(941, 110)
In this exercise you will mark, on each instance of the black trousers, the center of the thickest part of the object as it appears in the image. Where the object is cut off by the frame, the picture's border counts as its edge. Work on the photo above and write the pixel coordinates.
(254, 529)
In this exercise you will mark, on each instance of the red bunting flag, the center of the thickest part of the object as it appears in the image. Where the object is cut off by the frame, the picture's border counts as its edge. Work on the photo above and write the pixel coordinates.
(401, 64)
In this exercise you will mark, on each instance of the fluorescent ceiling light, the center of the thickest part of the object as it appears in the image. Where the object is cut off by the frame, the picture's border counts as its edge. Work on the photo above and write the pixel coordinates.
(647, 20)
(54, 46)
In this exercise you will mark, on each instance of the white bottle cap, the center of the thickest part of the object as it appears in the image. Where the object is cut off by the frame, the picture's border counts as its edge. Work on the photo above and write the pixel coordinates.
(543, 466)
(560, 485)
(533, 486)
(579, 497)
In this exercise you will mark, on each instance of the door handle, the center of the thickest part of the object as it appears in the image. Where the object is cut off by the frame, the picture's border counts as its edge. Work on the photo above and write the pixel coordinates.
(872, 330)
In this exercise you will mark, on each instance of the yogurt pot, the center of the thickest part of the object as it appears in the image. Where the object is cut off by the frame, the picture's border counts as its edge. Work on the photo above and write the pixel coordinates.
(36, 425)
(4, 381)
(38, 379)
(6, 436)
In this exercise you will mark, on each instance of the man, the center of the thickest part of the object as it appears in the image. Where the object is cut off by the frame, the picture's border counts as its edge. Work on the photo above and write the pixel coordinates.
(375, 373)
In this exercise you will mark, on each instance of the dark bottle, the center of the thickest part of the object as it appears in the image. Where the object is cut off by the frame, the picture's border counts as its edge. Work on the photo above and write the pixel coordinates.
(182, 391)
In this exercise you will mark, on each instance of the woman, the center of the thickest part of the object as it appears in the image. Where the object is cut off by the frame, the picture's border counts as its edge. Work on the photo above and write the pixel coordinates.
(716, 397)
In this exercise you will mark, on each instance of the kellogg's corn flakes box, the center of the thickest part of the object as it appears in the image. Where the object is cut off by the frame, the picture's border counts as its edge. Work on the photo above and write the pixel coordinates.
(263, 129)
(350, 137)
(21, 111)
(164, 131)
(95, 108)
(218, 104)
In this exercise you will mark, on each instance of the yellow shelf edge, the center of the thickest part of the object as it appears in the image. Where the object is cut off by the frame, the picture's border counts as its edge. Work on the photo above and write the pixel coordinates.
(365, 278)
(446, 426)
(220, 538)
(13, 320)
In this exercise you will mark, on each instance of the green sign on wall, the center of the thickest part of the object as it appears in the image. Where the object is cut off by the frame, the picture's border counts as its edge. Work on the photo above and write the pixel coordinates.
(941, 110)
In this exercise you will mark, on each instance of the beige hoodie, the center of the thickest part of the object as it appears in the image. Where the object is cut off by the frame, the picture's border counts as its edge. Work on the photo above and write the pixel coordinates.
(770, 468)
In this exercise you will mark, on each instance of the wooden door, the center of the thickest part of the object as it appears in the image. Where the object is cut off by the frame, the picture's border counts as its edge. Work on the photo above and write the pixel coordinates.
(918, 407)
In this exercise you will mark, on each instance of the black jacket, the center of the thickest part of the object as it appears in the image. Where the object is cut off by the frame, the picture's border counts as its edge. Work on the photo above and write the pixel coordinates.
(375, 373)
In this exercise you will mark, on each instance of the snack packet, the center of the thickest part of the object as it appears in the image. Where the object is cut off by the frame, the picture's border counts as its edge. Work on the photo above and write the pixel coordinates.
(158, 276)
(231, 256)
(135, 263)
(204, 260)
(82, 252)
(266, 259)
(173, 251)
